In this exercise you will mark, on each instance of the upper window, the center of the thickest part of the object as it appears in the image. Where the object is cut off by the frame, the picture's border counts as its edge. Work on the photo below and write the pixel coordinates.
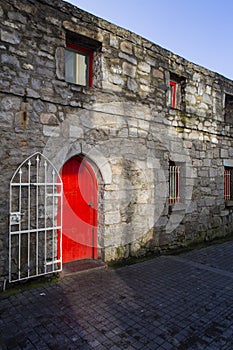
(172, 94)
(79, 59)
(174, 183)
(176, 91)
(79, 65)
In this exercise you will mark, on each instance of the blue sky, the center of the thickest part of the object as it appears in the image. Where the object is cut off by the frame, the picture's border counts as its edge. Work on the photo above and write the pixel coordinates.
(199, 30)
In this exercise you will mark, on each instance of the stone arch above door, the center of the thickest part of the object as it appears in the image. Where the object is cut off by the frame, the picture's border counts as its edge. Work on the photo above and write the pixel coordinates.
(62, 154)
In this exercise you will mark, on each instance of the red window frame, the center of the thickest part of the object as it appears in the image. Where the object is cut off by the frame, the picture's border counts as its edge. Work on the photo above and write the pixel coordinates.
(173, 86)
(90, 55)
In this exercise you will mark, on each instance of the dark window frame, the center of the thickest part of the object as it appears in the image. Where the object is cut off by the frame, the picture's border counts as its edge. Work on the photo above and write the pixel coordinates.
(228, 108)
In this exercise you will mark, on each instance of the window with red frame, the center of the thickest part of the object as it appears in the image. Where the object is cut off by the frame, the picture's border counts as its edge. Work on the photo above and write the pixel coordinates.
(78, 65)
(176, 91)
(172, 94)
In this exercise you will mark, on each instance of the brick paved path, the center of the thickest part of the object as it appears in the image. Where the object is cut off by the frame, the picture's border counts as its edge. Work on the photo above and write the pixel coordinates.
(174, 302)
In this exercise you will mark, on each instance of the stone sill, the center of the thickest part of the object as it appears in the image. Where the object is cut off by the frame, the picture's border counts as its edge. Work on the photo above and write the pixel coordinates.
(229, 203)
(177, 207)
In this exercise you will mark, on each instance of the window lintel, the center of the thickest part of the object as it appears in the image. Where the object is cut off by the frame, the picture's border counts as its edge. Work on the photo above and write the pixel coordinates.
(80, 40)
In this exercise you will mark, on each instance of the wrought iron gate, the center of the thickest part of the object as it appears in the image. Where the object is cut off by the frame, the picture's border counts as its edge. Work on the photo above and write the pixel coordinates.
(35, 227)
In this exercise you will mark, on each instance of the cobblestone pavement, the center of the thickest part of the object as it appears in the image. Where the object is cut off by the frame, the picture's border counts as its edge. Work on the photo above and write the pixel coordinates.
(172, 302)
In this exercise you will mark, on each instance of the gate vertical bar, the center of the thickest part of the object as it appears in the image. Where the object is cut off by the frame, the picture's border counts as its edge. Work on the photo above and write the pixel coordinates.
(29, 216)
(10, 235)
(61, 214)
(173, 184)
(53, 239)
(20, 211)
(37, 213)
(45, 215)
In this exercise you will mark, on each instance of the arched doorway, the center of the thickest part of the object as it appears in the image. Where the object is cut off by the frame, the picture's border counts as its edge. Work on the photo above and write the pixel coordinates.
(80, 202)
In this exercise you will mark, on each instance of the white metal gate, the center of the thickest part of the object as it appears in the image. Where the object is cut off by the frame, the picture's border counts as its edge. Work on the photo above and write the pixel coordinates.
(35, 225)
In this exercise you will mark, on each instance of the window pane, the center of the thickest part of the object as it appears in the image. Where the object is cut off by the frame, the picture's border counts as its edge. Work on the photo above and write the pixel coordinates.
(70, 66)
(170, 96)
(81, 69)
(76, 67)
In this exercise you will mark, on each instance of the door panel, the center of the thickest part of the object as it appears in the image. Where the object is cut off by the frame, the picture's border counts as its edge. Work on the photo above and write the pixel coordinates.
(79, 211)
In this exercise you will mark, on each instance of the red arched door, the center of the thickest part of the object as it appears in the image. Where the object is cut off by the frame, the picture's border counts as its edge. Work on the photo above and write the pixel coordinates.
(79, 239)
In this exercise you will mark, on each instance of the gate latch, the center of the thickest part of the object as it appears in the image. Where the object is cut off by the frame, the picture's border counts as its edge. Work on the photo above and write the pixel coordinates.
(15, 218)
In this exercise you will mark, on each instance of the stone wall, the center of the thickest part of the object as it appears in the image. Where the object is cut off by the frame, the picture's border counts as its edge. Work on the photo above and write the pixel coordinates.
(123, 124)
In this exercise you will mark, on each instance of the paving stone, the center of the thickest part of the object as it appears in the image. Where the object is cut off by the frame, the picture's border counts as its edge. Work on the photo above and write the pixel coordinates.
(165, 303)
